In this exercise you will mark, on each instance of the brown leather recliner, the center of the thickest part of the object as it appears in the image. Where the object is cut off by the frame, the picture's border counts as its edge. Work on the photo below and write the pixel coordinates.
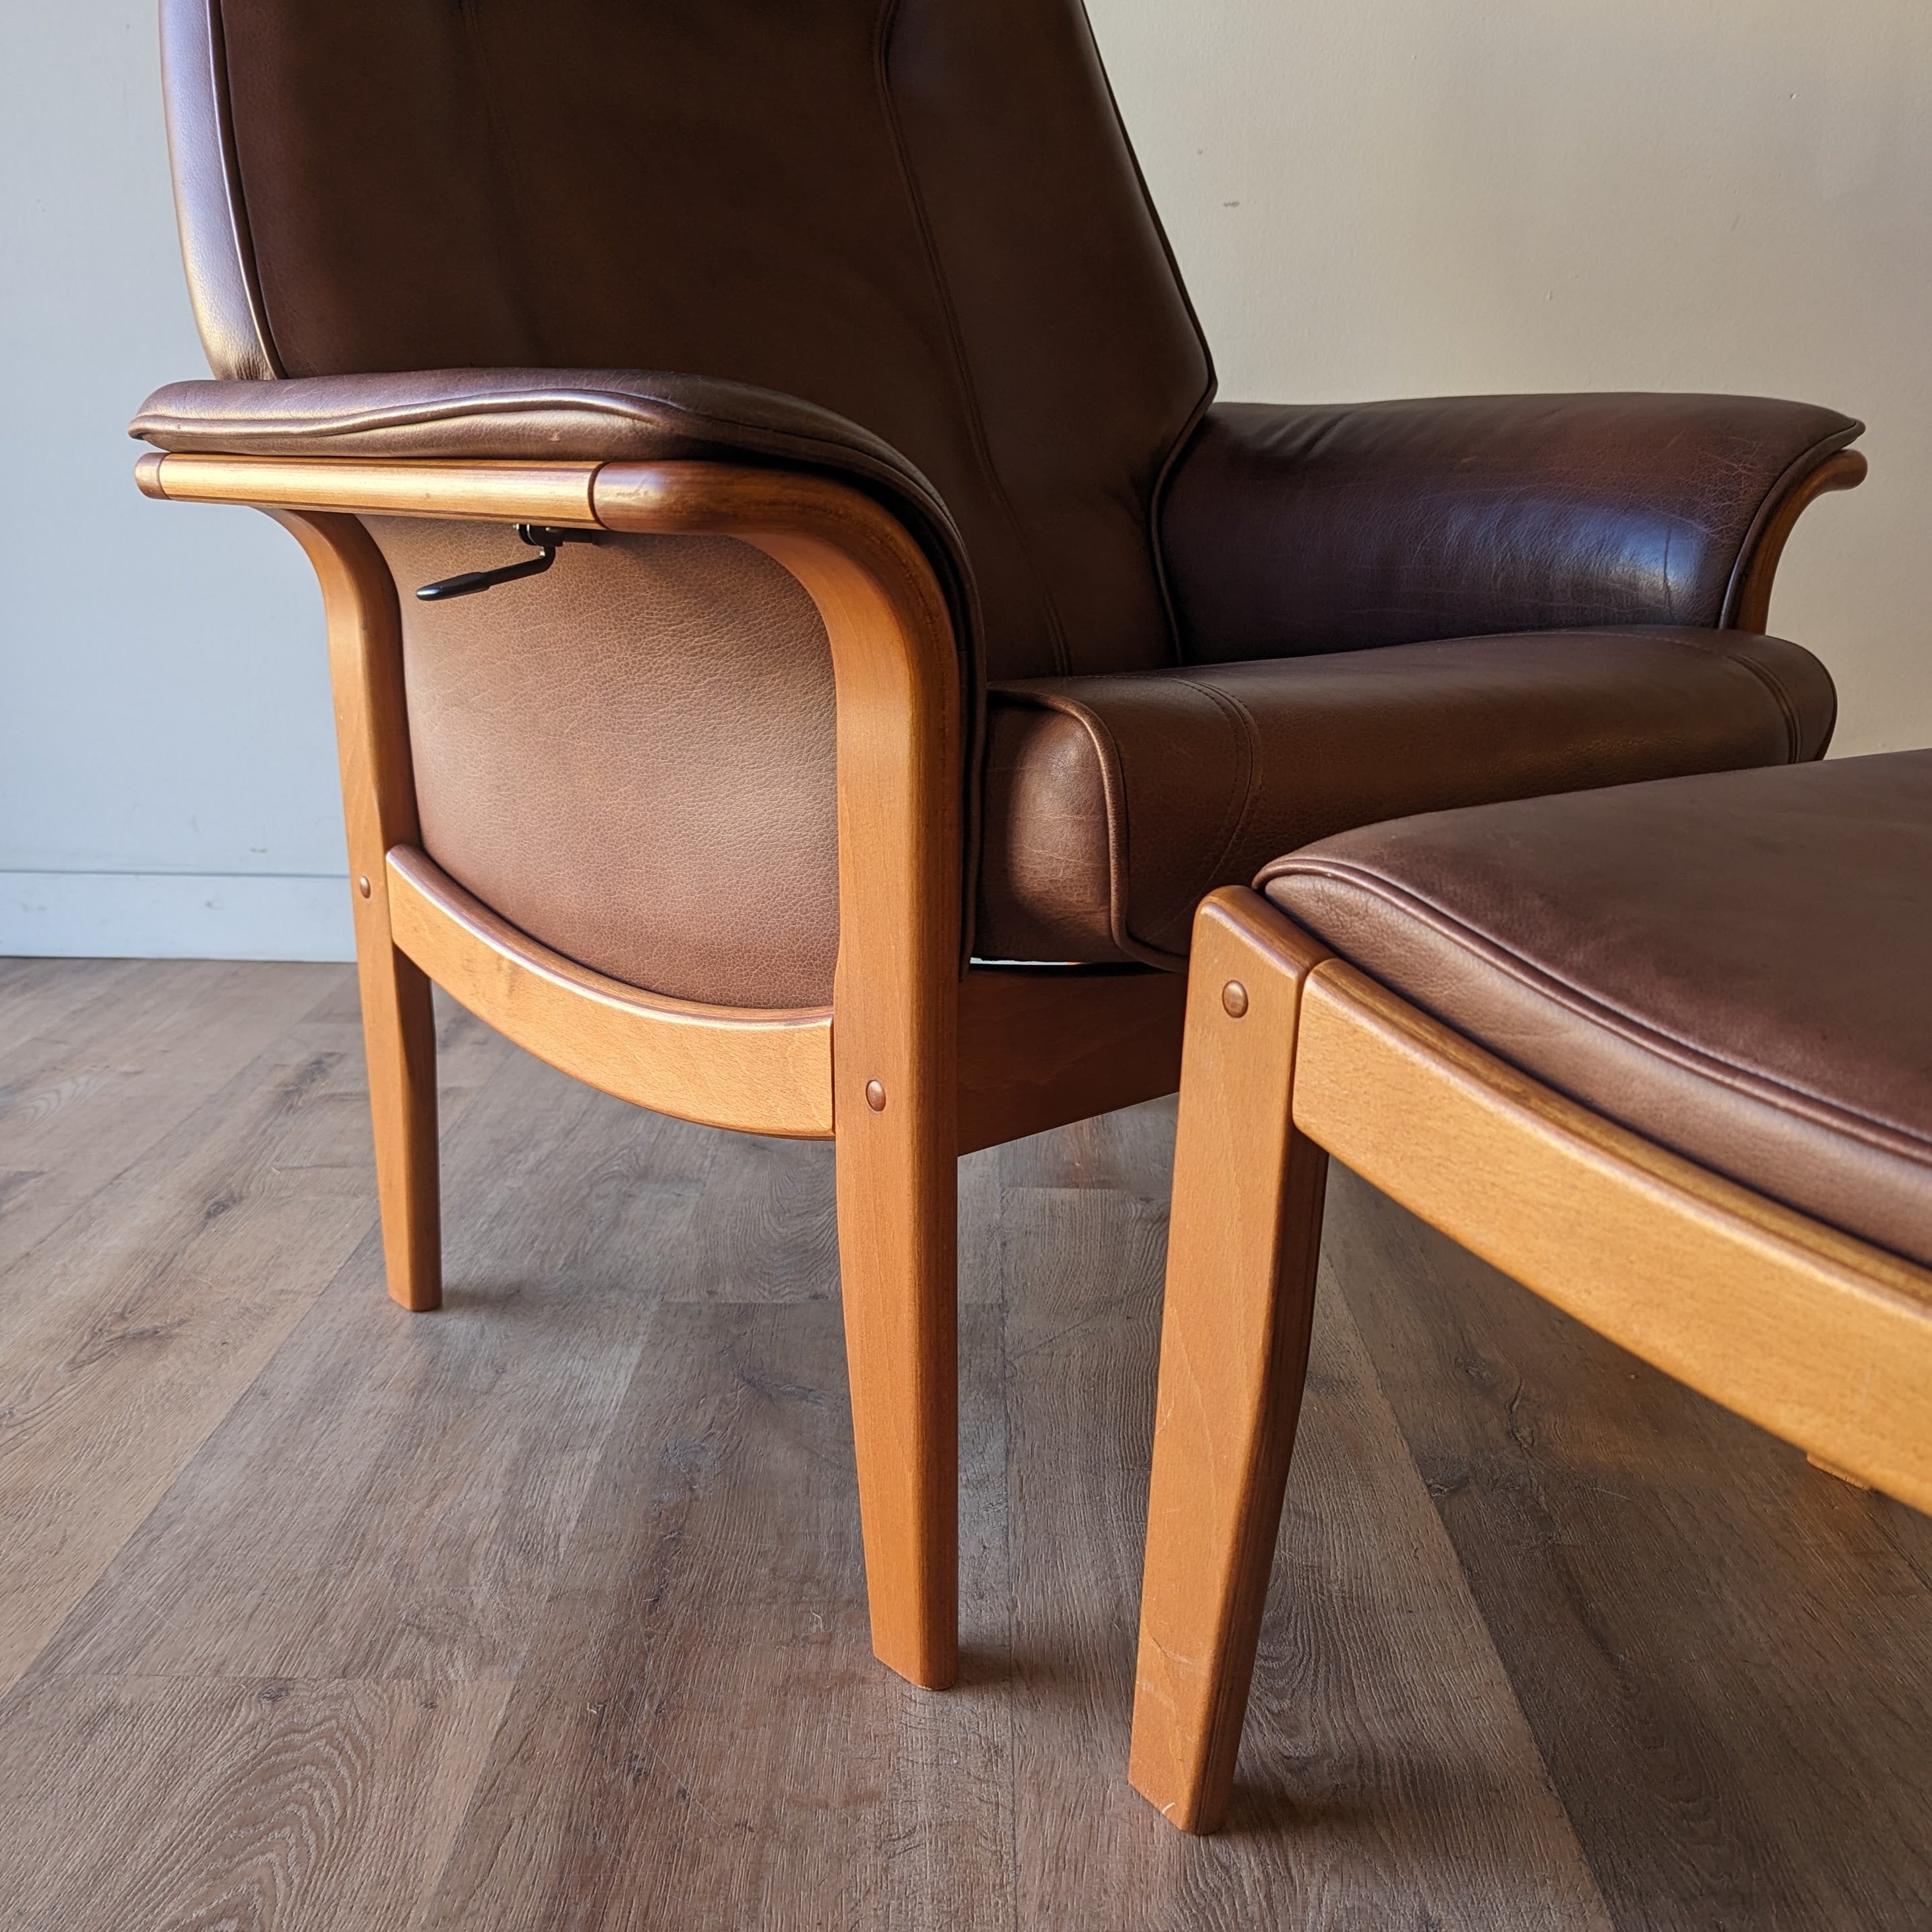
(933, 614)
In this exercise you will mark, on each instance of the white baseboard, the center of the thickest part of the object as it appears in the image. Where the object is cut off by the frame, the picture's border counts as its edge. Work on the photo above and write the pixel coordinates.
(175, 916)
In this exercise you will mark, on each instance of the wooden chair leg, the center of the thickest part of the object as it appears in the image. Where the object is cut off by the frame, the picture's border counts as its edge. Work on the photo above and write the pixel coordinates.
(1244, 1238)
(898, 1189)
(379, 806)
(399, 1039)
(894, 1048)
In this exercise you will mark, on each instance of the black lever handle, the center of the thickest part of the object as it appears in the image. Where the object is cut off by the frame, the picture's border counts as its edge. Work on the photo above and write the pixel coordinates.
(542, 538)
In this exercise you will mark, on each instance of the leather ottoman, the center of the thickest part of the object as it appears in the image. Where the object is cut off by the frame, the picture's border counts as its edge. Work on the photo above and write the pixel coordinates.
(1662, 1052)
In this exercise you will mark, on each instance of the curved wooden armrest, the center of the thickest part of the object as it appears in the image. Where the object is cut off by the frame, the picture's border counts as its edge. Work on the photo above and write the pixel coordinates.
(1748, 605)
(895, 665)
(497, 493)
(892, 1104)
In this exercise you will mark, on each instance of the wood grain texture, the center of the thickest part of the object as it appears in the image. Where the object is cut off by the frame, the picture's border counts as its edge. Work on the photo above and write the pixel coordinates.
(87, 1089)
(894, 999)
(127, 1335)
(892, 1096)
(1383, 1716)
(1245, 1236)
(1387, 1777)
(378, 805)
(639, 1778)
(119, 1360)
(892, 1092)
(412, 1484)
(1816, 1336)
(1748, 599)
(761, 1071)
(770, 1224)
(497, 493)
(1130, 1153)
(1720, 1653)
(293, 1806)
(1039, 1050)
(1725, 1656)
(36, 994)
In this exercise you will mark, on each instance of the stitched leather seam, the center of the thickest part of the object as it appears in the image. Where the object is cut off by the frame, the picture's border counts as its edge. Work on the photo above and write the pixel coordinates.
(1794, 733)
(619, 405)
(1157, 505)
(886, 22)
(1234, 816)
(1787, 480)
(973, 708)
(1768, 1090)
(1156, 497)
(241, 231)
(1113, 795)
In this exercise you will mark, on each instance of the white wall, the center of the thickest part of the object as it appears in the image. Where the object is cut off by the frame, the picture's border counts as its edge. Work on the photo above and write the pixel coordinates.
(1421, 197)
(167, 779)
(1369, 197)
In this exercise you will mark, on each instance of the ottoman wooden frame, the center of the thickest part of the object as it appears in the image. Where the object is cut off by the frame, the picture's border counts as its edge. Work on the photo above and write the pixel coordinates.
(1292, 1054)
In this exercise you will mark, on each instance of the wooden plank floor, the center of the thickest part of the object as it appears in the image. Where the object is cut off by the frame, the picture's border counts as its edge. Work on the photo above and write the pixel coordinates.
(546, 1611)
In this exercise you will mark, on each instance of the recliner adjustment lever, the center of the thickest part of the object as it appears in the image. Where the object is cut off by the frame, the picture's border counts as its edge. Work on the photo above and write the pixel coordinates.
(543, 538)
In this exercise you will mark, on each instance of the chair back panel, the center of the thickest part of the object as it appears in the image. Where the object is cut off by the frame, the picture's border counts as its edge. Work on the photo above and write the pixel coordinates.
(922, 213)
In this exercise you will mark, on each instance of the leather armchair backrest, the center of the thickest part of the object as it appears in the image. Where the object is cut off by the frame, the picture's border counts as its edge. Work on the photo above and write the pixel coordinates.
(922, 213)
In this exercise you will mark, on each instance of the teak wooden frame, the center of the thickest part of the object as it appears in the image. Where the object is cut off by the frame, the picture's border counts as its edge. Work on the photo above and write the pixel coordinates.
(913, 1064)
(1820, 1338)
(1747, 598)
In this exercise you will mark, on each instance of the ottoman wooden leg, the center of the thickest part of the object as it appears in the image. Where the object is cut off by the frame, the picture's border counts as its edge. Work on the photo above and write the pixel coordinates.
(1245, 1236)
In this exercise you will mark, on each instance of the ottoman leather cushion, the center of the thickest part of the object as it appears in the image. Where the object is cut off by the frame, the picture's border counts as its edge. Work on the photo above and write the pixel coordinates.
(1738, 967)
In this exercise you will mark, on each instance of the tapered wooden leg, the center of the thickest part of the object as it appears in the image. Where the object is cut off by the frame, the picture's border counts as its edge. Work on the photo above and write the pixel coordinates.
(895, 1068)
(399, 1038)
(898, 1192)
(1244, 1238)
(379, 809)
(1832, 1469)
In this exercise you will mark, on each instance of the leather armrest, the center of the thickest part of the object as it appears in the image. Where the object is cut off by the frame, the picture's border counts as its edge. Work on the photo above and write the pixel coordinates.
(557, 415)
(1287, 529)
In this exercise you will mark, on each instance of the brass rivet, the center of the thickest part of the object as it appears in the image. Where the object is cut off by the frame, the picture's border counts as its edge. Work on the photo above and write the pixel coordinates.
(875, 1096)
(1234, 999)
(362, 886)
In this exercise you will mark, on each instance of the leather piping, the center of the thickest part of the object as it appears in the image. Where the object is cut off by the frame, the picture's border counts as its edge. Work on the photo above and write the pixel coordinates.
(973, 694)
(241, 231)
(1794, 736)
(1156, 497)
(1241, 797)
(1794, 474)
(969, 393)
(1794, 729)
(1884, 1136)
(194, 52)
(1114, 796)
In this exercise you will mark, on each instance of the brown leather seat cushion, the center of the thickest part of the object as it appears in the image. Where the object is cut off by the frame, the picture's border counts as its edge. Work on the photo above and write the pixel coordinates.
(1736, 966)
(1113, 804)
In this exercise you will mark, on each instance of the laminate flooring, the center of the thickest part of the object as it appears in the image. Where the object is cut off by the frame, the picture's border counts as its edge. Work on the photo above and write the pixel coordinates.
(546, 1611)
